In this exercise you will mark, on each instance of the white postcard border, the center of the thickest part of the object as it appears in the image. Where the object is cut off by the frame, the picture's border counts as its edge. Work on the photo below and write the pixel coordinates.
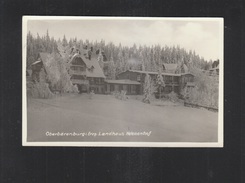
(218, 144)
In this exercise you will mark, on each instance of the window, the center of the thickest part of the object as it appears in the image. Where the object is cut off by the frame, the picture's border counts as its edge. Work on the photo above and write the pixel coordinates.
(116, 87)
(90, 69)
(175, 79)
(106, 72)
(133, 89)
(138, 77)
(91, 80)
(82, 69)
(120, 88)
(176, 89)
(168, 89)
(111, 87)
(97, 80)
(168, 79)
(101, 80)
(192, 79)
(125, 87)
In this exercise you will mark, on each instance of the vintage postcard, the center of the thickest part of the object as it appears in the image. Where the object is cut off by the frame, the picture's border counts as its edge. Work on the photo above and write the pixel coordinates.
(122, 81)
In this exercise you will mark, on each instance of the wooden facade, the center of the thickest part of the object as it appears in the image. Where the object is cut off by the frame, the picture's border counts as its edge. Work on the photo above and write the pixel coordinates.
(214, 71)
(39, 65)
(173, 82)
(87, 74)
(131, 87)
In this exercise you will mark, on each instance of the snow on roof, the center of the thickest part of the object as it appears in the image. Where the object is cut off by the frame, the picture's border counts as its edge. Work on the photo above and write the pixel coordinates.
(170, 66)
(187, 74)
(217, 67)
(154, 73)
(34, 63)
(186, 68)
(96, 71)
(174, 67)
(44, 58)
(123, 81)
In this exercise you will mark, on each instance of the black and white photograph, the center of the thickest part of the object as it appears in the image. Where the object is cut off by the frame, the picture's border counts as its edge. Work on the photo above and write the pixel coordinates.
(122, 81)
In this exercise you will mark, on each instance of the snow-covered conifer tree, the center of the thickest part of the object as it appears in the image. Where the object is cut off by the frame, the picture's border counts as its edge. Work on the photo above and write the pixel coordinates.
(160, 83)
(148, 89)
(101, 59)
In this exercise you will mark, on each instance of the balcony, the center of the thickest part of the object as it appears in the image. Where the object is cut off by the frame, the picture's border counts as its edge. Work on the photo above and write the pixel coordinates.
(79, 81)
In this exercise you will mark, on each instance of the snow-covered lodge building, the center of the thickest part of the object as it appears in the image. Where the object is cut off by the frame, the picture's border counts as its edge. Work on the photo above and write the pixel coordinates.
(38, 65)
(88, 73)
(214, 71)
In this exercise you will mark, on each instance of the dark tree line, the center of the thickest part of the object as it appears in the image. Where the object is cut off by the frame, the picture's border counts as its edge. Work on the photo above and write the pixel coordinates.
(136, 57)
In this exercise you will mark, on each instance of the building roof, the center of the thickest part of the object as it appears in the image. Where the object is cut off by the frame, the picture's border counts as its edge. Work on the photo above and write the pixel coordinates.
(153, 73)
(182, 74)
(170, 67)
(36, 62)
(44, 58)
(96, 71)
(173, 67)
(215, 68)
(186, 68)
(123, 81)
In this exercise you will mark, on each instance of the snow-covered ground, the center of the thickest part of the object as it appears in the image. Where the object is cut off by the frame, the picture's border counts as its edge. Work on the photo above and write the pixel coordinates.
(112, 119)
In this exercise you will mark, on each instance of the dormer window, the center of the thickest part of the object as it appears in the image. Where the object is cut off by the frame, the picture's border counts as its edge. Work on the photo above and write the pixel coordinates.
(91, 69)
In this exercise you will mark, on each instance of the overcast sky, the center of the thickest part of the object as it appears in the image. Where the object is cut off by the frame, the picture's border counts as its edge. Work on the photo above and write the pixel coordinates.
(203, 36)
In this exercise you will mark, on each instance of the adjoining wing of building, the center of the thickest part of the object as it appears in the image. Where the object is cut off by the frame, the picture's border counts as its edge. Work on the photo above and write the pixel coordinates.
(173, 82)
(88, 74)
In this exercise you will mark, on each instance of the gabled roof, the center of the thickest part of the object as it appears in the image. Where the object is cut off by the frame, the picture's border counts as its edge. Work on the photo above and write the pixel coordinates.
(44, 58)
(186, 68)
(174, 67)
(170, 67)
(96, 71)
